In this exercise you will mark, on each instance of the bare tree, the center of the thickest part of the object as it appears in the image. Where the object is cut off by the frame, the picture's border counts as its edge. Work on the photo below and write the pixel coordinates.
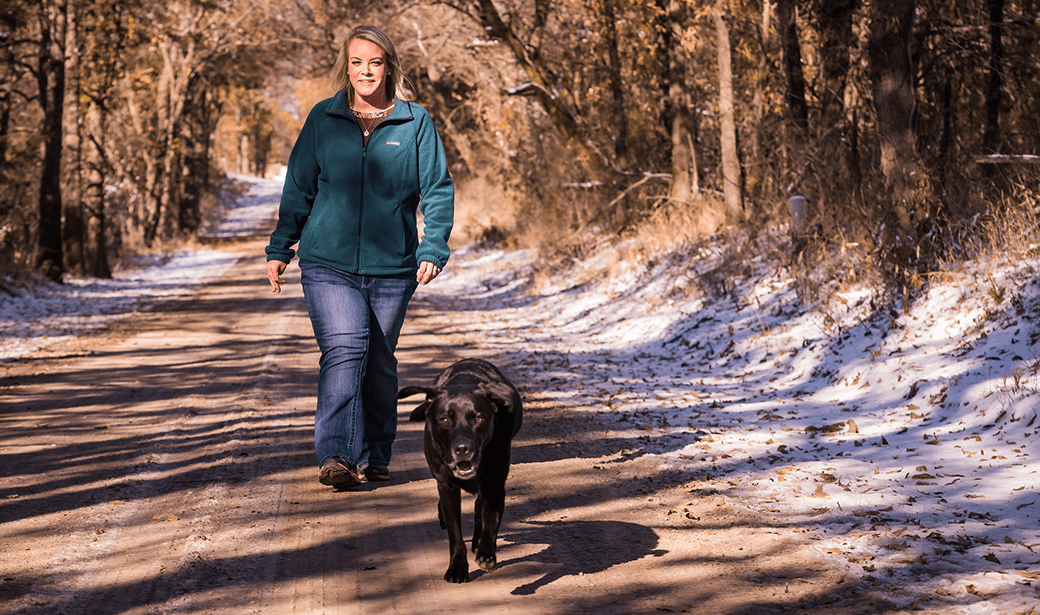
(835, 162)
(72, 204)
(617, 90)
(791, 55)
(733, 184)
(50, 76)
(542, 81)
(104, 45)
(677, 115)
(994, 82)
(892, 77)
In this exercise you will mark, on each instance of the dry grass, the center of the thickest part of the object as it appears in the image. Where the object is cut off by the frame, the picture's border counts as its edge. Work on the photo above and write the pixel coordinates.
(671, 225)
(1010, 230)
(998, 252)
(718, 258)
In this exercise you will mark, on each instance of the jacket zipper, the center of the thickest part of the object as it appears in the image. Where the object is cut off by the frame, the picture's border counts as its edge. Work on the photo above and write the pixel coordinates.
(361, 209)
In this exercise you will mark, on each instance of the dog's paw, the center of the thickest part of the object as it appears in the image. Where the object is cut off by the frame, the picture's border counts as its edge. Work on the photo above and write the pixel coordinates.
(457, 576)
(487, 563)
(458, 568)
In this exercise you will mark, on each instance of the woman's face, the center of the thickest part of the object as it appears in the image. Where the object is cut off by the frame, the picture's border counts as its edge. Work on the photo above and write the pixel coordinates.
(367, 71)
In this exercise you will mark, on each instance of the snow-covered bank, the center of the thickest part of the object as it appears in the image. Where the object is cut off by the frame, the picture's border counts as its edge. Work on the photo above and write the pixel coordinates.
(904, 442)
(900, 444)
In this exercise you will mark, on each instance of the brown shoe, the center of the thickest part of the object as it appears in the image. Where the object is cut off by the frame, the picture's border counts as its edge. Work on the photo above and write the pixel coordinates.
(377, 473)
(335, 471)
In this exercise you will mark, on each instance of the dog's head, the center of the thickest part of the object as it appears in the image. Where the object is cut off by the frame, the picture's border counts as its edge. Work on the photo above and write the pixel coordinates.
(460, 420)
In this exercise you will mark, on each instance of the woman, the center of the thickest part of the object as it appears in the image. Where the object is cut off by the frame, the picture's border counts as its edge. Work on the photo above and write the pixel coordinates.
(364, 160)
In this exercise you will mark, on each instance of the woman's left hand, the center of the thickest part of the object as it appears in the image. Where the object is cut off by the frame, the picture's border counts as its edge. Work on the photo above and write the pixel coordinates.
(427, 271)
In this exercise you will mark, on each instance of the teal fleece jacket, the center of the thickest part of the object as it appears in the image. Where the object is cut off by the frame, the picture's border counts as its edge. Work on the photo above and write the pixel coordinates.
(353, 207)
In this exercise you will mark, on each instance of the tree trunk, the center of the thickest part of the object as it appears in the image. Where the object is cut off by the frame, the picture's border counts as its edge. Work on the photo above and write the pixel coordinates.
(758, 168)
(731, 176)
(617, 91)
(166, 225)
(994, 82)
(199, 124)
(260, 136)
(73, 228)
(685, 186)
(163, 184)
(95, 243)
(680, 124)
(837, 177)
(9, 63)
(787, 25)
(891, 74)
(103, 33)
(51, 79)
(835, 18)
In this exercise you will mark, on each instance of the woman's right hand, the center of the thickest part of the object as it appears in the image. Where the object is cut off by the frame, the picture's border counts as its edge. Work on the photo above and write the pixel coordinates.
(274, 275)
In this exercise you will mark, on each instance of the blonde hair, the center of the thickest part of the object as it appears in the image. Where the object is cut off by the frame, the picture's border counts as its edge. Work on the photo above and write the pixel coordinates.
(396, 82)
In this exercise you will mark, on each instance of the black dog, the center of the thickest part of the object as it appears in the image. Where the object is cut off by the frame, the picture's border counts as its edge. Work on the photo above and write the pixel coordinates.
(472, 413)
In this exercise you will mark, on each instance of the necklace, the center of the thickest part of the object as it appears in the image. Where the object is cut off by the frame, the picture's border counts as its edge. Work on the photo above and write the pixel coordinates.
(363, 117)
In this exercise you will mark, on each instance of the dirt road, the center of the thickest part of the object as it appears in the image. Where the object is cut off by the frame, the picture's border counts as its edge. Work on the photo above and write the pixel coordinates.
(166, 466)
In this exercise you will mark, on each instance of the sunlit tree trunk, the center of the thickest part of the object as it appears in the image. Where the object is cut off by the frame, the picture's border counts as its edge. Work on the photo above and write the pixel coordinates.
(137, 215)
(73, 227)
(731, 175)
(95, 244)
(164, 185)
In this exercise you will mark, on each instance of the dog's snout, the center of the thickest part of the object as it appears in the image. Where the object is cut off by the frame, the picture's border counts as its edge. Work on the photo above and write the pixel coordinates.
(463, 449)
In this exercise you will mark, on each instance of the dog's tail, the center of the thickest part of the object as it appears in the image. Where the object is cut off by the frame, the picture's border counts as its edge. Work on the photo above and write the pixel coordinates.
(408, 391)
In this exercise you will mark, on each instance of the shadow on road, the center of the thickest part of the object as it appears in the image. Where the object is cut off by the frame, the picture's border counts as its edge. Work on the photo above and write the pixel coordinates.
(605, 544)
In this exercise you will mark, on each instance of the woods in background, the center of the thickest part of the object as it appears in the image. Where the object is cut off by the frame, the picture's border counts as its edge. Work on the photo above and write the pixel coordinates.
(900, 121)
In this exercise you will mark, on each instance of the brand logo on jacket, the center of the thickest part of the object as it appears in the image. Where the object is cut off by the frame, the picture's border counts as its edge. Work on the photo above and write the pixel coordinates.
(397, 143)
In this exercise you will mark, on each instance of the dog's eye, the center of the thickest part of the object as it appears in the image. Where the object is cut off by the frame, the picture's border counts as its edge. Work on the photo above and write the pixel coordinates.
(444, 420)
(478, 420)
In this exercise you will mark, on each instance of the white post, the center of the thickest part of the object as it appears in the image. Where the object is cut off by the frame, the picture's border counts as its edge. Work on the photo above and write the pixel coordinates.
(799, 206)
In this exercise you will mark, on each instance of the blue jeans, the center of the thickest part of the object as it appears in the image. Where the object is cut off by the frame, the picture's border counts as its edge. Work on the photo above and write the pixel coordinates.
(357, 321)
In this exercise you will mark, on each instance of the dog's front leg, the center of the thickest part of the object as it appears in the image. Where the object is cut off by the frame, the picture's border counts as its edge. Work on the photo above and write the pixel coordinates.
(490, 507)
(478, 520)
(450, 511)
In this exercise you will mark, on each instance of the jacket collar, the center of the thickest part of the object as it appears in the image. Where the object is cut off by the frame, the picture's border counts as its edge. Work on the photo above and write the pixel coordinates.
(338, 108)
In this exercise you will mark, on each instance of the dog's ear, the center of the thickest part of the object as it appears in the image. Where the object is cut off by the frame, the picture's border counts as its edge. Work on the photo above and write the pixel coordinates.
(500, 394)
(419, 414)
